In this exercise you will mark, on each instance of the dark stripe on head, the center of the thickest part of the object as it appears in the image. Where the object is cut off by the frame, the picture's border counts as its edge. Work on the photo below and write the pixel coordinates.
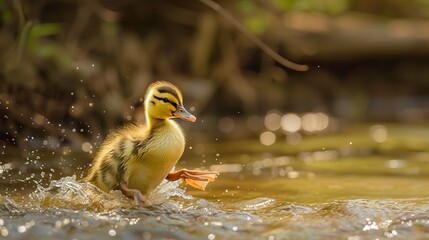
(167, 89)
(165, 100)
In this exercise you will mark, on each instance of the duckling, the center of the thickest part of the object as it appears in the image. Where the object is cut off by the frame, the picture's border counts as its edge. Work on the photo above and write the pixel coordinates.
(136, 158)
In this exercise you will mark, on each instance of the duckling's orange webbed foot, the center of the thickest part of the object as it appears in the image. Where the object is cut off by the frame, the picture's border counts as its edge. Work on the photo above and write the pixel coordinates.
(196, 179)
(132, 193)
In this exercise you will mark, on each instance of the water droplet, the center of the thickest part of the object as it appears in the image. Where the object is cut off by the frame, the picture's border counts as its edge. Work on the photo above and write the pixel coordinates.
(211, 236)
(22, 229)
(4, 232)
(112, 232)
(86, 146)
(147, 235)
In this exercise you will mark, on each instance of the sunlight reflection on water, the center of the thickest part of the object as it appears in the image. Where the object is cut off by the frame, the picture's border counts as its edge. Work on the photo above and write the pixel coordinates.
(68, 204)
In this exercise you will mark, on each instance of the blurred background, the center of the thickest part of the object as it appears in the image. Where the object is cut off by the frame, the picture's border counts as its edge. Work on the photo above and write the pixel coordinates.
(71, 71)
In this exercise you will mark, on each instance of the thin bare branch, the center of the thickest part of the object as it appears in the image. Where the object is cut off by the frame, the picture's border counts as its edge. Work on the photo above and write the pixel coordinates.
(257, 41)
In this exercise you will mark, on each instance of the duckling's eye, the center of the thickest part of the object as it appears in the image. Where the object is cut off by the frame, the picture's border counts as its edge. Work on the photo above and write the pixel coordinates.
(165, 100)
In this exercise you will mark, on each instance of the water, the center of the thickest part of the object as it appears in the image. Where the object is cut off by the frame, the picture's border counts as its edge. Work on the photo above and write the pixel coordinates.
(324, 188)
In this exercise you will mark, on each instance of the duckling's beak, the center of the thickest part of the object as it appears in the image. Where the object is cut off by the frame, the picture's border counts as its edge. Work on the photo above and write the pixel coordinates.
(182, 113)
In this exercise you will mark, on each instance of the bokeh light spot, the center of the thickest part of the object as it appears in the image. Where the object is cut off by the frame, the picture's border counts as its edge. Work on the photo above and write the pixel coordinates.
(272, 121)
(312, 122)
(378, 133)
(291, 122)
(267, 138)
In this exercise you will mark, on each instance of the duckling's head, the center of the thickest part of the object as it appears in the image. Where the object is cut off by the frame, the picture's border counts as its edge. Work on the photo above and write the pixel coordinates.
(165, 101)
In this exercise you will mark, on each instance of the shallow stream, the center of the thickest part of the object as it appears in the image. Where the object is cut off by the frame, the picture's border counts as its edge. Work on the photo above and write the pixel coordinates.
(341, 186)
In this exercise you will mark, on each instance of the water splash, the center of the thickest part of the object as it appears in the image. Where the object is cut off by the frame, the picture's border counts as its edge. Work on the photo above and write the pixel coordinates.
(165, 190)
(68, 192)
(256, 203)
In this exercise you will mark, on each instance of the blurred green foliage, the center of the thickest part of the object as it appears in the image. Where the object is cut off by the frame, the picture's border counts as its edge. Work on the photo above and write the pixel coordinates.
(39, 44)
(6, 15)
(254, 18)
(332, 7)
